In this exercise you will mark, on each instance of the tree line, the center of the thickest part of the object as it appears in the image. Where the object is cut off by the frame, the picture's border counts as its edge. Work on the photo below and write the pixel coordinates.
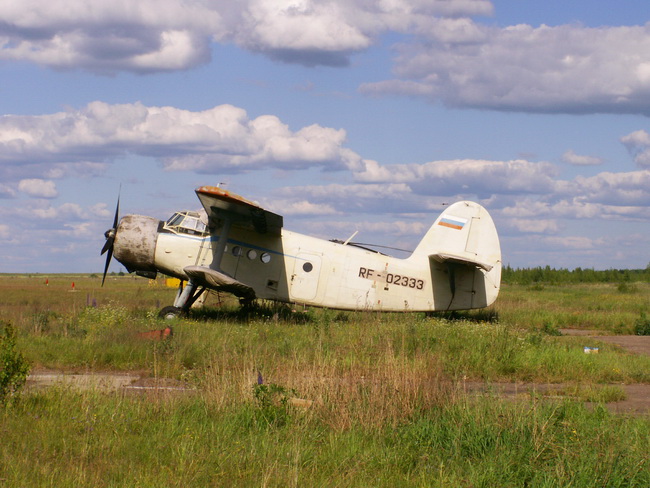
(547, 274)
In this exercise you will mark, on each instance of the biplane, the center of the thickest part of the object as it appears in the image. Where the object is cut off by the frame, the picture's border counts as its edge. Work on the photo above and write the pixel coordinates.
(234, 245)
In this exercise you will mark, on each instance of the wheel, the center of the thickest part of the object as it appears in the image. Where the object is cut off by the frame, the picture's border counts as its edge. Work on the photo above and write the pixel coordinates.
(170, 313)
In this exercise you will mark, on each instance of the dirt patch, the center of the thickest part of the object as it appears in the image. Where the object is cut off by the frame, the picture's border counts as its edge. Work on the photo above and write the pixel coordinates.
(638, 395)
(127, 382)
(632, 343)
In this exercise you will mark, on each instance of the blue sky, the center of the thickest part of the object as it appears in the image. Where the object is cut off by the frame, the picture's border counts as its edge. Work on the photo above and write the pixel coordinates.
(341, 115)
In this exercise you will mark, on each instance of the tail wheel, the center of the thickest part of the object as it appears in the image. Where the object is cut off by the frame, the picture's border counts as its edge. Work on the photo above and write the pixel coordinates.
(170, 313)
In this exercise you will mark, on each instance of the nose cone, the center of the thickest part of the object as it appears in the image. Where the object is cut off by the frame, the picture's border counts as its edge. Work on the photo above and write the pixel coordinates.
(135, 242)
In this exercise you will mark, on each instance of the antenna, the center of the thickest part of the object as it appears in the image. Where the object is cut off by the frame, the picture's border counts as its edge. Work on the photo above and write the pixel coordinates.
(351, 237)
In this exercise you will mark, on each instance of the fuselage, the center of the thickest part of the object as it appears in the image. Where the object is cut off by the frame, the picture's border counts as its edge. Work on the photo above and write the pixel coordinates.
(298, 268)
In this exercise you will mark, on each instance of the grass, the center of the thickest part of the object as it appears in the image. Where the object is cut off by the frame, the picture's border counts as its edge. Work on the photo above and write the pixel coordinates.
(92, 439)
(384, 394)
(600, 306)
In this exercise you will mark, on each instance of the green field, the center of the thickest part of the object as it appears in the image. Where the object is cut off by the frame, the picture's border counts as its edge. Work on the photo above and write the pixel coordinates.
(347, 399)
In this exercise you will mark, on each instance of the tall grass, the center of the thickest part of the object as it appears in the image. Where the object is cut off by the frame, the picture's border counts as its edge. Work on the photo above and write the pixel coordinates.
(319, 398)
(65, 438)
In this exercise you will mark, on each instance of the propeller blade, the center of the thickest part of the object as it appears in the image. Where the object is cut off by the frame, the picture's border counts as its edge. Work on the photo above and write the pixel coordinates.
(108, 262)
(110, 238)
(117, 212)
(108, 244)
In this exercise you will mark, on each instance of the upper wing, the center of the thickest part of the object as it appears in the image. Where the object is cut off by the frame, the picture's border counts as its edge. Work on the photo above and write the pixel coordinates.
(221, 204)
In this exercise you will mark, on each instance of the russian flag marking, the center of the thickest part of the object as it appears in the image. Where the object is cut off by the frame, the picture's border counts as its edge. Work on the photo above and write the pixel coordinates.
(453, 222)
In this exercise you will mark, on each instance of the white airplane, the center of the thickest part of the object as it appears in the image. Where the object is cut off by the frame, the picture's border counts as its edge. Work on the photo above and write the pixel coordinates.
(238, 247)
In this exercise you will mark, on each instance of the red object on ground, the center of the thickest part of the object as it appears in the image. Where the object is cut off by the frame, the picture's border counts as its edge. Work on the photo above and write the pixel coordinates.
(157, 335)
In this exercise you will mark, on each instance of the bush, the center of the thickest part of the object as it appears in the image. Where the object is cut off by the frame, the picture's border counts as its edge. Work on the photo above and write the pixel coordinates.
(13, 366)
(642, 325)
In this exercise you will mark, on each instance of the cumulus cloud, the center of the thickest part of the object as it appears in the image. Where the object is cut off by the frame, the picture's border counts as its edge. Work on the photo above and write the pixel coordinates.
(620, 189)
(638, 144)
(38, 188)
(220, 139)
(150, 35)
(164, 35)
(445, 55)
(476, 177)
(535, 226)
(568, 68)
(348, 198)
(301, 207)
(580, 160)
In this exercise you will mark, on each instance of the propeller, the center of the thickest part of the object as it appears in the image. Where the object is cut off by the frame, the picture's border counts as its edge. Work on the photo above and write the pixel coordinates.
(110, 240)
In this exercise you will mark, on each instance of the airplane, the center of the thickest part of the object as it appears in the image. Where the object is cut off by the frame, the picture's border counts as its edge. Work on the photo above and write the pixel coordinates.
(234, 245)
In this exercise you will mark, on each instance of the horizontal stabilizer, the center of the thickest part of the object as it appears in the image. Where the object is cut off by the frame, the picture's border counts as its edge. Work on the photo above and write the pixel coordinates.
(451, 258)
(216, 280)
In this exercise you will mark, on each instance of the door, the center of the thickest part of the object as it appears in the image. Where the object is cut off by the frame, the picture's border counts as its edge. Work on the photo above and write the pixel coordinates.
(306, 276)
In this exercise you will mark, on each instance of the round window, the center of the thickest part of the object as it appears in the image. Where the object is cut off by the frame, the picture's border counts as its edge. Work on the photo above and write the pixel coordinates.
(236, 251)
(265, 257)
(251, 254)
(307, 267)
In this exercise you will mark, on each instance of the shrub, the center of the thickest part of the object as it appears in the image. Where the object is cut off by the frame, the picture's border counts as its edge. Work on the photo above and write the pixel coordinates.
(642, 325)
(13, 366)
(272, 401)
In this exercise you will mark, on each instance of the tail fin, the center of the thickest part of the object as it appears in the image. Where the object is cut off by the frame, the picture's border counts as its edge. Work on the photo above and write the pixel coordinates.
(464, 255)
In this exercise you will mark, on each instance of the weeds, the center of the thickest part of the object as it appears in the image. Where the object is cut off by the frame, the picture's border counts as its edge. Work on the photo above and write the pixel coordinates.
(385, 396)
(642, 325)
(13, 367)
(272, 404)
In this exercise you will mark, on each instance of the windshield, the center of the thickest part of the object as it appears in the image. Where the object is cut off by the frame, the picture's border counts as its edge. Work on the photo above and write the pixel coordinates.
(186, 223)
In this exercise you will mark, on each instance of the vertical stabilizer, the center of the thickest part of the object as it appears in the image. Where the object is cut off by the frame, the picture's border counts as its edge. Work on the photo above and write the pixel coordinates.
(463, 253)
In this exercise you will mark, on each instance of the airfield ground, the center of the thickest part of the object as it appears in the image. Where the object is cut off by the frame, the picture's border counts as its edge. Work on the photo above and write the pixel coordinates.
(636, 401)
(505, 397)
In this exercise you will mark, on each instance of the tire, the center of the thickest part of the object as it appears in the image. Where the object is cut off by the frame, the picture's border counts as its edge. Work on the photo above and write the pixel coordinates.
(170, 313)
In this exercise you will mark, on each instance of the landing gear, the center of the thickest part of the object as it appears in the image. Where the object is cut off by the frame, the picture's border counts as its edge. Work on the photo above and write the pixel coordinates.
(185, 298)
(170, 313)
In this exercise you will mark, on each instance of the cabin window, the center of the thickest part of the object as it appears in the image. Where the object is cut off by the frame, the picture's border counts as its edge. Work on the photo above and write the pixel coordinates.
(265, 258)
(186, 223)
(251, 254)
(307, 267)
(236, 251)
(175, 219)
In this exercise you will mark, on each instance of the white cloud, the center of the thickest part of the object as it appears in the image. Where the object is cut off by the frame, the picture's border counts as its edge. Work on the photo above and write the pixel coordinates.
(148, 35)
(163, 35)
(568, 68)
(574, 208)
(632, 188)
(580, 160)
(535, 226)
(465, 176)
(638, 144)
(60, 213)
(301, 207)
(219, 139)
(38, 188)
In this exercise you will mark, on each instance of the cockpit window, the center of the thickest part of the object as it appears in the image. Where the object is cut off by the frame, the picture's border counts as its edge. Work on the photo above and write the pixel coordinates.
(186, 223)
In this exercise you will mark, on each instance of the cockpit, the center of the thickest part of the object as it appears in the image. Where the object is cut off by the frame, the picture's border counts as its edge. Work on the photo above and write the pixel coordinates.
(187, 222)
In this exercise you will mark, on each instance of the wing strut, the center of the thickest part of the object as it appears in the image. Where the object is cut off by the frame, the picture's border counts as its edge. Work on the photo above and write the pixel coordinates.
(221, 243)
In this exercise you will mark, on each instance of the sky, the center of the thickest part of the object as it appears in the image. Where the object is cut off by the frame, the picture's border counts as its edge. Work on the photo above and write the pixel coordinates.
(340, 115)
